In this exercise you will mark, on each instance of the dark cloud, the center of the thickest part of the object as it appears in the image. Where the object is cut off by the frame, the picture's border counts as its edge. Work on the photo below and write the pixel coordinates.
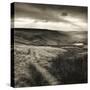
(47, 12)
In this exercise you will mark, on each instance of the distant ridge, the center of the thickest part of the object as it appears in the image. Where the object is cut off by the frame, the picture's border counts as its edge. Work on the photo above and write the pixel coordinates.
(44, 29)
(45, 37)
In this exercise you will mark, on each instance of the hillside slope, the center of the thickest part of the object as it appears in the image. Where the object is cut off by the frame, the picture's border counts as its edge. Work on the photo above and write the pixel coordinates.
(40, 65)
(48, 37)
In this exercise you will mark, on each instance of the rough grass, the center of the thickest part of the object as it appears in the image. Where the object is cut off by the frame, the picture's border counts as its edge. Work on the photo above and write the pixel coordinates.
(40, 66)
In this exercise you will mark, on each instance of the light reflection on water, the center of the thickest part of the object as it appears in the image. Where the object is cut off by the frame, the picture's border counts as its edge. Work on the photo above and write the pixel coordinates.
(78, 44)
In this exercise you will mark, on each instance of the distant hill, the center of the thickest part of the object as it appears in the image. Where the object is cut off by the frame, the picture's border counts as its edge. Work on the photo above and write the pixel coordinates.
(44, 37)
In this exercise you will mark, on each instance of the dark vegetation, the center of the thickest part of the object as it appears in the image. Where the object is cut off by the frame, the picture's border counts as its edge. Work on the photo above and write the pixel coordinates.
(70, 69)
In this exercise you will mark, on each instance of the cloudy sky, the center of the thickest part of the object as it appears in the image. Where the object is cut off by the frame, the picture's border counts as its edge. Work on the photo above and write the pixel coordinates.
(53, 17)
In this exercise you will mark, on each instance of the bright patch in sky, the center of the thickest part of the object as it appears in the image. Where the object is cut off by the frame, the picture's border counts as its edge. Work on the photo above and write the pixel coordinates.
(74, 25)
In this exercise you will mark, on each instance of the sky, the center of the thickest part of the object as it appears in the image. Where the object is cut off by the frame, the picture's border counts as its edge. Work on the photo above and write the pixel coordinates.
(52, 17)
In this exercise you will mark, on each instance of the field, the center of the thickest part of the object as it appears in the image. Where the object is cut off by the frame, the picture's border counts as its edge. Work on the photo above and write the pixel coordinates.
(49, 57)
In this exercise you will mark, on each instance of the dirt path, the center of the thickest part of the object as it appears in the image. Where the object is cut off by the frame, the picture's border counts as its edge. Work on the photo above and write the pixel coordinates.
(48, 77)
